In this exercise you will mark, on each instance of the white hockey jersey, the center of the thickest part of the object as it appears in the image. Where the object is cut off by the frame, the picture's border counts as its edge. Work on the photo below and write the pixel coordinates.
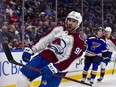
(71, 47)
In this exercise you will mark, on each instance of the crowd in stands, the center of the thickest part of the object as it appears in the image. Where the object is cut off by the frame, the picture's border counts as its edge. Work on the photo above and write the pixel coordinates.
(39, 18)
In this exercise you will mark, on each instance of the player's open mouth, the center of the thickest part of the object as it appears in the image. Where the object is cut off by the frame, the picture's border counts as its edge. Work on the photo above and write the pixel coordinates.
(69, 27)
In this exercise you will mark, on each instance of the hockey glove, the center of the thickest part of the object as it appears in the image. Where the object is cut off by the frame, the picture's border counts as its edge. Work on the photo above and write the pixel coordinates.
(107, 56)
(49, 70)
(27, 54)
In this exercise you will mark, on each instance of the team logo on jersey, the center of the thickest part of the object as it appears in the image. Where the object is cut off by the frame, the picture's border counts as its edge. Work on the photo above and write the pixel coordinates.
(59, 42)
(58, 45)
(95, 45)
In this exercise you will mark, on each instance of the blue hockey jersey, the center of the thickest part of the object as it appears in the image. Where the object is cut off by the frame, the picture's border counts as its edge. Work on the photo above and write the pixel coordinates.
(95, 46)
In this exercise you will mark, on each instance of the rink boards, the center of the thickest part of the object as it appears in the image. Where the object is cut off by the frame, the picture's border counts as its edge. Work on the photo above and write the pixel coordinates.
(9, 72)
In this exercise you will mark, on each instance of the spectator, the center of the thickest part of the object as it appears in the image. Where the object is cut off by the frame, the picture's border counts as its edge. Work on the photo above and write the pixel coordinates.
(46, 26)
(5, 23)
(4, 31)
(39, 33)
(16, 44)
(5, 39)
(13, 33)
(9, 10)
(29, 34)
(13, 18)
(26, 43)
(48, 10)
(41, 13)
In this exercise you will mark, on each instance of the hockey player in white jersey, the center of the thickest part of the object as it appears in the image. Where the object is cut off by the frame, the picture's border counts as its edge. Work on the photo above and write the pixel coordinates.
(56, 51)
(111, 46)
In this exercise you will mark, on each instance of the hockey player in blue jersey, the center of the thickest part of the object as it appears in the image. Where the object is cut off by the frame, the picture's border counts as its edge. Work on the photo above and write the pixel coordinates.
(95, 47)
(111, 46)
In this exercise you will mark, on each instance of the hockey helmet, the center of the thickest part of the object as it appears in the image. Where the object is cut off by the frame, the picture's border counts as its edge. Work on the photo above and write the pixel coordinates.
(75, 15)
(108, 29)
(96, 29)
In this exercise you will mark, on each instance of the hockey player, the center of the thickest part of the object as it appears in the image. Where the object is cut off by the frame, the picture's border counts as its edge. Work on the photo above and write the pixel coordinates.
(95, 47)
(111, 46)
(56, 51)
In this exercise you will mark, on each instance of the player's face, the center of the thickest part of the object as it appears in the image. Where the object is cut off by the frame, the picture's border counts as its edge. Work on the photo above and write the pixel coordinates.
(71, 25)
(107, 33)
(99, 33)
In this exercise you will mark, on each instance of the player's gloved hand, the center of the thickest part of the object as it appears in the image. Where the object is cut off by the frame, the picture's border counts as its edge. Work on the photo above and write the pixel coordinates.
(49, 70)
(106, 56)
(27, 54)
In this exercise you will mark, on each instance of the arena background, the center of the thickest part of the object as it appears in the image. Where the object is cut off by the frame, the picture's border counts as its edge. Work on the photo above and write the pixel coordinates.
(24, 21)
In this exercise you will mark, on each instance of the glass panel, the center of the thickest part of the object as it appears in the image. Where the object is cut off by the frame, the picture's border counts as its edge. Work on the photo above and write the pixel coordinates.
(40, 16)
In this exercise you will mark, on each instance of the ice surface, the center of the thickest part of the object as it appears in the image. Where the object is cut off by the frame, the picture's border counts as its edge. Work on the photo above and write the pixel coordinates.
(108, 81)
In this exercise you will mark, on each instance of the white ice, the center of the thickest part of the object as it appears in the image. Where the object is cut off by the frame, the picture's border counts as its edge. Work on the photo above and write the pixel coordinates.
(108, 81)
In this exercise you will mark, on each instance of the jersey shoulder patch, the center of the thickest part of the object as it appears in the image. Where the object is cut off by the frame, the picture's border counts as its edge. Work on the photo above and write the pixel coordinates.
(82, 36)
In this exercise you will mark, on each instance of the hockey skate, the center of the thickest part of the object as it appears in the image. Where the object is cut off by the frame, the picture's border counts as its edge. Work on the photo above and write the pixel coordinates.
(89, 78)
(91, 81)
(83, 80)
(100, 79)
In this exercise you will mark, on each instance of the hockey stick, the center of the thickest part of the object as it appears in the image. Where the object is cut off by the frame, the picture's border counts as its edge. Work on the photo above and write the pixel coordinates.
(11, 60)
(74, 71)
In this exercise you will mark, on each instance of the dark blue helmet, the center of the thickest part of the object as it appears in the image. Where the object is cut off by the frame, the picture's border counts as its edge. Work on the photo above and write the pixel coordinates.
(96, 29)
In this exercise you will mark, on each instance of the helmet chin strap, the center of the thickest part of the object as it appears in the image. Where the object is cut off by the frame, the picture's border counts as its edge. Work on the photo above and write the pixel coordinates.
(77, 26)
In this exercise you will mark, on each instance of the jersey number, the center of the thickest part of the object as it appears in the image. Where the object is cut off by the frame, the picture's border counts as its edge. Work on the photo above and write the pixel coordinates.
(77, 51)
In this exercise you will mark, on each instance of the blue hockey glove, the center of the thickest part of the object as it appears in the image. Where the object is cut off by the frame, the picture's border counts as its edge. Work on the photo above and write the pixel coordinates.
(27, 54)
(48, 71)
